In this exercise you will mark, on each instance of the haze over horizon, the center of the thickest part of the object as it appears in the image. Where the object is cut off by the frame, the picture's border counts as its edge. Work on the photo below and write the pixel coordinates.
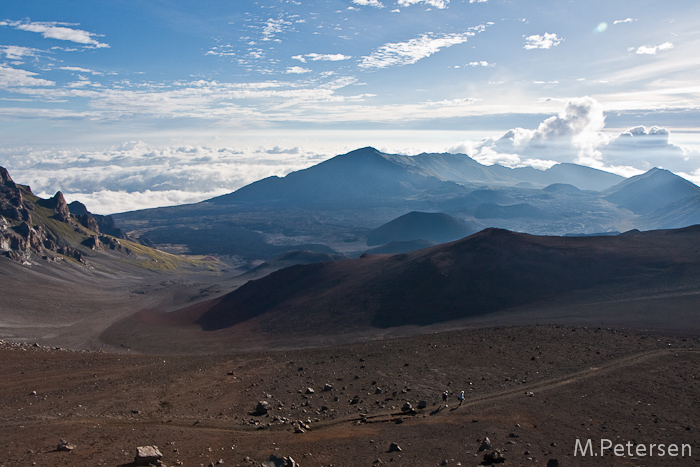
(130, 105)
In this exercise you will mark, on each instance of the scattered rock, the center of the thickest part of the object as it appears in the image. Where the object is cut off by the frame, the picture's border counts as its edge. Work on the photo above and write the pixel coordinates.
(310, 390)
(274, 461)
(493, 457)
(65, 446)
(147, 455)
(485, 445)
(553, 463)
(262, 408)
(422, 404)
(407, 407)
(393, 447)
(328, 387)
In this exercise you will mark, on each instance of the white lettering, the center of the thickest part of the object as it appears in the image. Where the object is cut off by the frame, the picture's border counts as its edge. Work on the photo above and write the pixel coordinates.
(641, 450)
(579, 448)
(619, 450)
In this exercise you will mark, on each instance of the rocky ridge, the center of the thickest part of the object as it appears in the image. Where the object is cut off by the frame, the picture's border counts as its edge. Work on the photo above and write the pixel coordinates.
(32, 228)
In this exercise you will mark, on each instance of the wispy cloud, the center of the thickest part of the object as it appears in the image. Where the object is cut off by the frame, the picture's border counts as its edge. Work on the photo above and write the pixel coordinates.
(651, 50)
(441, 4)
(14, 52)
(273, 27)
(314, 57)
(59, 31)
(297, 70)
(545, 41)
(15, 77)
(409, 52)
(374, 3)
(621, 21)
(79, 70)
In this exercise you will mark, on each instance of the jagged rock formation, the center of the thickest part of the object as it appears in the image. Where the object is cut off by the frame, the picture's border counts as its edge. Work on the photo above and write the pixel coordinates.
(11, 203)
(32, 227)
(96, 222)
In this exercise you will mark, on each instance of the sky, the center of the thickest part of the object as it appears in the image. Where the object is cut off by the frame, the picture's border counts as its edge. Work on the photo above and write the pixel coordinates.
(127, 104)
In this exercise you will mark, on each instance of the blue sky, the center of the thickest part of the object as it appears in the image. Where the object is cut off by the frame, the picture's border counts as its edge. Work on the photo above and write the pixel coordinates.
(127, 104)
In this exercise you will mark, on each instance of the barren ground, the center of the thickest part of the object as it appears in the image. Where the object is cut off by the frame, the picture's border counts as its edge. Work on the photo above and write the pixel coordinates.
(584, 383)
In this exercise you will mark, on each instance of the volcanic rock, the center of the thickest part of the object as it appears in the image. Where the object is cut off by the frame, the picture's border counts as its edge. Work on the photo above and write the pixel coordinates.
(274, 461)
(262, 408)
(485, 445)
(147, 455)
(65, 446)
(58, 204)
(493, 457)
(393, 447)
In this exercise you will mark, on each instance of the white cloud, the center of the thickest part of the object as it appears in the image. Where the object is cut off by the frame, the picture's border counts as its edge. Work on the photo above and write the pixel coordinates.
(15, 77)
(409, 52)
(651, 50)
(482, 63)
(297, 70)
(59, 31)
(79, 69)
(577, 135)
(314, 57)
(374, 3)
(273, 27)
(441, 4)
(546, 41)
(573, 135)
(621, 21)
(13, 52)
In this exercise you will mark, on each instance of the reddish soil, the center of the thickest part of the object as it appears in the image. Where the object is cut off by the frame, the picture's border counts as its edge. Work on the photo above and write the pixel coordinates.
(584, 384)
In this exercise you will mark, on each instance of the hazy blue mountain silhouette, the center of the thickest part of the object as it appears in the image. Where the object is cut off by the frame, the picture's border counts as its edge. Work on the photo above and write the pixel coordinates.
(333, 206)
(655, 189)
(431, 226)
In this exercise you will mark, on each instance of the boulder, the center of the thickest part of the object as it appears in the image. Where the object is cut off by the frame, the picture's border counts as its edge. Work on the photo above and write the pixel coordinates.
(262, 408)
(147, 455)
(274, 461)
(64, 446)
(493, 457)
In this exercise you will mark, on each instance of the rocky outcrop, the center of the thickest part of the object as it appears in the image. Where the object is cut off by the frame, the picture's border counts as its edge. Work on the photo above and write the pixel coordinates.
(59, 205)
(22, 235)
(11, 202)
(96, 222)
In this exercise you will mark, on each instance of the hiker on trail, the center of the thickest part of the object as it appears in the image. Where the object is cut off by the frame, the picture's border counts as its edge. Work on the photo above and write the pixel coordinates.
(444, 398)
(461, 397)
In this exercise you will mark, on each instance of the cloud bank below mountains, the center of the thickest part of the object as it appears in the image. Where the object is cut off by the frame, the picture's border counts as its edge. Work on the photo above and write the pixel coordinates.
(137, 175)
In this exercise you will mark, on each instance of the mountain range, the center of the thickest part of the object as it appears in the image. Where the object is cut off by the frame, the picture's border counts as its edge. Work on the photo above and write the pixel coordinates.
(339, 205)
